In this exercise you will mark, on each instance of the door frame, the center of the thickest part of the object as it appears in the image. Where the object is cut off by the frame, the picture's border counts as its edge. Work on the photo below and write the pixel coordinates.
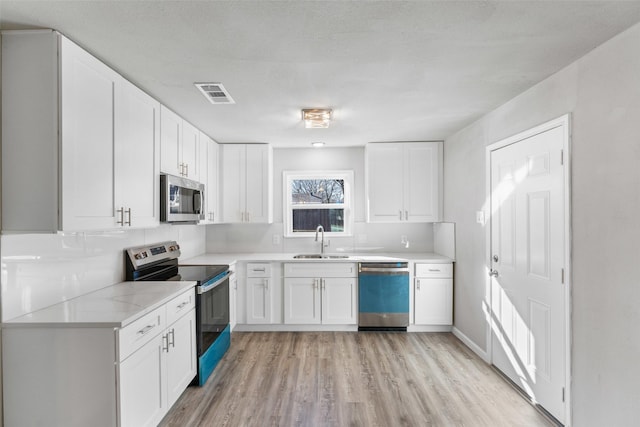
(565, 123)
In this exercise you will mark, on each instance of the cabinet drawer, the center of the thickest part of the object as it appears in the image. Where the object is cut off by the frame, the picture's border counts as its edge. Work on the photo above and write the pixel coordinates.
(180, 305)
(321, 269)
(140, 332)
(434, 270)
(255, 269)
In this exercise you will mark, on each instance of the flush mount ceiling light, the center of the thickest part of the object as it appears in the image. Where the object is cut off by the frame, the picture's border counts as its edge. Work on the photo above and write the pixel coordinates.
(317, 144)
(316, 118)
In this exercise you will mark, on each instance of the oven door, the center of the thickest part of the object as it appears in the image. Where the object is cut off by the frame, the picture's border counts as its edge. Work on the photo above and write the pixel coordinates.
(212, 311)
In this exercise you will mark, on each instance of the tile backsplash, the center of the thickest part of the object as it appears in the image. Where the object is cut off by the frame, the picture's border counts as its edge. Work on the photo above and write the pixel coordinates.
(39, 270)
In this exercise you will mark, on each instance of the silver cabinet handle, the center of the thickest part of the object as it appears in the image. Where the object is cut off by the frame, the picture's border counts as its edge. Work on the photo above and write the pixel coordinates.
(266, 284)
(128, 212)
(146, 329)
(171, 342)
(434, 269)
(248, 217)
(406, 215)
(182, 305)
(322, 284)
(187, 168)
(165, 343)
(400, 211)
(261, 270)
(121, 213)
(241, 216)
(418, 284)
(493, 273)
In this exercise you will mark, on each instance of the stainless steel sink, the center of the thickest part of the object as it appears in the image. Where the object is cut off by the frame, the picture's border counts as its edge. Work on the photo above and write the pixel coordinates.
(318, 256)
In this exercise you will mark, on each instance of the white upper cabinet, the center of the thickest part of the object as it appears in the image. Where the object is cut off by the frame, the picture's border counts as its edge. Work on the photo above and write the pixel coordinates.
(137, 165)
(191, 152)
(170, 142)
(403, 181)
(209, 175)
(179, 146)
(247, 183)
(80, 140)
(88, 90)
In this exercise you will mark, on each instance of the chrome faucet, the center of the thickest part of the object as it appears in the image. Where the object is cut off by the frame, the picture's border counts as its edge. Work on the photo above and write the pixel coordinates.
(320, 228)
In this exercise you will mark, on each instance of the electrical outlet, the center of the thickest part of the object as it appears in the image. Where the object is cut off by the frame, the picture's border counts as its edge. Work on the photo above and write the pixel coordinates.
(275, 239)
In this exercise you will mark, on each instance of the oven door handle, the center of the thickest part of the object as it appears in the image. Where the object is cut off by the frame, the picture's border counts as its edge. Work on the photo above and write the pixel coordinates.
(203, 289)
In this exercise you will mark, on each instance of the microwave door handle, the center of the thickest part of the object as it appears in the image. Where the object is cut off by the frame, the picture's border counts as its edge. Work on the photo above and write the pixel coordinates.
(198, 200)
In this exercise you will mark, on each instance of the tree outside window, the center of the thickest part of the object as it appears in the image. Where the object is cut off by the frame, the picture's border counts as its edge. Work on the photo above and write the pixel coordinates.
(317, 198)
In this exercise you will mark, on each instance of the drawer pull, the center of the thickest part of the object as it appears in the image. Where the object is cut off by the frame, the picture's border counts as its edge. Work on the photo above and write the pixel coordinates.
(182, 305)
(262, 270)
(146, 329)
(434, 269)
(165, 343)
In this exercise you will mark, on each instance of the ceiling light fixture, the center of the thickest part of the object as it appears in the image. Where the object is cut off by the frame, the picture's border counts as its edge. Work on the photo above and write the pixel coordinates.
(316, 118)
(317, 144)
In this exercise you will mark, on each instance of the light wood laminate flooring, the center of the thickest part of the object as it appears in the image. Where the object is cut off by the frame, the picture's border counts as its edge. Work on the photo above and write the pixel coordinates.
(352, 379)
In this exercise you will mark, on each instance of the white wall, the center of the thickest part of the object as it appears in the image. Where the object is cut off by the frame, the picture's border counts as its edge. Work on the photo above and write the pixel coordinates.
(602, 92)
(366, 238)
(39, 270)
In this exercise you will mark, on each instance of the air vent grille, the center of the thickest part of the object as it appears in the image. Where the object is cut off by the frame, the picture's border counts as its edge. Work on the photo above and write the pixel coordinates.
(215, 93)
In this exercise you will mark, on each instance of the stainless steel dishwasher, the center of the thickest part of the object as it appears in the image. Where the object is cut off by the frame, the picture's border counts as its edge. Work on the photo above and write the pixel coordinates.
(383, 296)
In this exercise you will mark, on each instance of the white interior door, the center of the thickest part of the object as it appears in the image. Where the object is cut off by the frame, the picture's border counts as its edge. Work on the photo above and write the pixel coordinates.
(528, 266)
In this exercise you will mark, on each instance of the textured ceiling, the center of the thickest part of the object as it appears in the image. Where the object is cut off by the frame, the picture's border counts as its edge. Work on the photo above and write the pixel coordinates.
(391, 70)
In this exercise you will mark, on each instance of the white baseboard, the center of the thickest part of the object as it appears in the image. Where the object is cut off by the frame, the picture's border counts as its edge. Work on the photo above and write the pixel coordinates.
(472, 345)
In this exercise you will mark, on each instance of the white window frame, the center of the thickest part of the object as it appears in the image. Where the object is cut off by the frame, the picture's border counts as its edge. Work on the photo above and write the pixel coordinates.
(287, 213)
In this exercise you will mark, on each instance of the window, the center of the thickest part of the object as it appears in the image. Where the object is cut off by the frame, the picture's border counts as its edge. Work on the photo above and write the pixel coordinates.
(317, 198)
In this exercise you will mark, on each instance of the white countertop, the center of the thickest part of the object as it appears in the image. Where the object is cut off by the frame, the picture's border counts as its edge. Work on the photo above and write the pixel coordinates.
(212, 258)
(114, 306)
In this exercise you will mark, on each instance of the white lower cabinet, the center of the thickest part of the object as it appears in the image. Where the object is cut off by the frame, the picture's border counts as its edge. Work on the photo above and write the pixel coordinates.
(433, 294)
(320, 293)
(263, 293)
(99, 375)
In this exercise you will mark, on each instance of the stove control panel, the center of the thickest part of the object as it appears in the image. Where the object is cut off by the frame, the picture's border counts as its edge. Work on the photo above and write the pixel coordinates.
(143, 255)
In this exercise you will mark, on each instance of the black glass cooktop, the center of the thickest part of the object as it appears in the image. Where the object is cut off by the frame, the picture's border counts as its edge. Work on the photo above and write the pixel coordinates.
(200, 273)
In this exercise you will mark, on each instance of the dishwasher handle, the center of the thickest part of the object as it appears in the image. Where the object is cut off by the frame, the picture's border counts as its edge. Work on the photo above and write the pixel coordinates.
(383, 270)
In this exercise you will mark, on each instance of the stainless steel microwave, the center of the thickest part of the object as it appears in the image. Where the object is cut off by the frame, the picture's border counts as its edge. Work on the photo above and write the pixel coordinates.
(181, 199)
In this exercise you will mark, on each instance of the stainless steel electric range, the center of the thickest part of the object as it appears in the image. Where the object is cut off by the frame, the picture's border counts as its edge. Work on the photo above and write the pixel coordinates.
(159, 262)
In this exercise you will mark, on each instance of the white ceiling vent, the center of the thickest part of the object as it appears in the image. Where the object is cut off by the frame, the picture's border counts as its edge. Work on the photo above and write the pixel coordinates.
(215, 93)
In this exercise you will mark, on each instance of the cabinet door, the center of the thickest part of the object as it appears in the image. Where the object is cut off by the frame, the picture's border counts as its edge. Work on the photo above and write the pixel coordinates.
(170, 142)
(302, 301)
(143, 400)
(258, 300)
(339, 301)
(190, 151)
(433, 301)
(384, 180)
(421, 182)
(211, 168)
(181, 356)
(233, 300)
(137, 157)
(88, 90)
(233, 182)
(258, 184)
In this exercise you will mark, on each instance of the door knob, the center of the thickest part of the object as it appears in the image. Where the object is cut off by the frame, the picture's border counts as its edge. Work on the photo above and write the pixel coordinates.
(495, 258)
(493, 273)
